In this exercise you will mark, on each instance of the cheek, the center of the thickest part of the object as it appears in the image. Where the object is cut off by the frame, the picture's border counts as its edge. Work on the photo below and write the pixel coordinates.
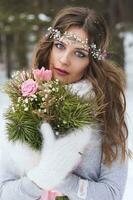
(77, 74)
(80, 70)
(54, 54)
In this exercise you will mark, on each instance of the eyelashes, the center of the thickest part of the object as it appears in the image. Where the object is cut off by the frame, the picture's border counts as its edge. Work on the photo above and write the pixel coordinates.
(77, 53)
(59, 45)
(80, 54)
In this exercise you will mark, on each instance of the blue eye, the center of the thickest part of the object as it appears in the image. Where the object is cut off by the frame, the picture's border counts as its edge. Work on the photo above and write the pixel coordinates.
(80, 54)
(59, 45)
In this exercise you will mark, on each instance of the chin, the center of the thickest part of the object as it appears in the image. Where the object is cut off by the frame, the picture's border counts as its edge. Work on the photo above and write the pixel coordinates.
(61, 79)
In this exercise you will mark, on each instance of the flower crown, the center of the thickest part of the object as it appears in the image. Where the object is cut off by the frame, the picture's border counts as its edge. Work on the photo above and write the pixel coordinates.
(96, 53)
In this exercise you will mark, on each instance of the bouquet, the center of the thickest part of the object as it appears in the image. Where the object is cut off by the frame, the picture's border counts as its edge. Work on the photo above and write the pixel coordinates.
(35, 98)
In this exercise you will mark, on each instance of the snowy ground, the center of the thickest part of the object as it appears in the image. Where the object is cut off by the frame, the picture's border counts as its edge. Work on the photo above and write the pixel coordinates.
(128, 42)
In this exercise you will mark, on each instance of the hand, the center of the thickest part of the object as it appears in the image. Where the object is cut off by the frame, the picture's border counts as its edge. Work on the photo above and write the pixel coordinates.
(59, 156)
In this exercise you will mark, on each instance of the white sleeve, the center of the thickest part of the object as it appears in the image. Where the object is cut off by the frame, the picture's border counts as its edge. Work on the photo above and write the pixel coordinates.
(109, 186)
(14, 187)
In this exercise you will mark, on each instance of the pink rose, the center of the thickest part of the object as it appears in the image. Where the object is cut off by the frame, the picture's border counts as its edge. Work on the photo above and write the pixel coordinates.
(29, 87)
(48, 75)
(42, 74)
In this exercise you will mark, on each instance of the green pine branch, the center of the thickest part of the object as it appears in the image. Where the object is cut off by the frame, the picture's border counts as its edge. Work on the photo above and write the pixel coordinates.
(24, 126)
(62, 109)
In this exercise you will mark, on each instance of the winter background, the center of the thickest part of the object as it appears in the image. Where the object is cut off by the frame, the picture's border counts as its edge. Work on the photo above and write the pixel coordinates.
(128, 46)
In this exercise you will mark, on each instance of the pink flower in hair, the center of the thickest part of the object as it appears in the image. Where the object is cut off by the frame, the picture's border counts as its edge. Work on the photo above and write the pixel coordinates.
(42, 74)
(29, 87)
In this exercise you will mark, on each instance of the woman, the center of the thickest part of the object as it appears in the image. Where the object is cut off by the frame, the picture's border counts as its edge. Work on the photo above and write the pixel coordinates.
(81, 166)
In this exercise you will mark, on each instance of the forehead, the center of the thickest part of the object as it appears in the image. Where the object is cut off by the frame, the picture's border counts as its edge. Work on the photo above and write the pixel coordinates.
(75, 37)
(78, 32)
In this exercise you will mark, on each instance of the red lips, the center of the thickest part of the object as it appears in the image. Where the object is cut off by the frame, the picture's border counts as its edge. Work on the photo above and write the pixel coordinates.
(61, 71)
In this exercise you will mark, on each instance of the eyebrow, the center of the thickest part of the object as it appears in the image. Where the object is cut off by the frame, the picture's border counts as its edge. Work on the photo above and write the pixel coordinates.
(77, 48)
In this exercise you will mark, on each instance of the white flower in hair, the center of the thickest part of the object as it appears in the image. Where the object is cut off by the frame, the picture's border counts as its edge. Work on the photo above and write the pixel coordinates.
(95, 52)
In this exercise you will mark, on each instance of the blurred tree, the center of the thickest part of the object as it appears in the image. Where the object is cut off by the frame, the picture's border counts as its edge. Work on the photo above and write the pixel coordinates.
(116, 15)
(18, 22)
(128, 7)
(8, 60)
(1, 50)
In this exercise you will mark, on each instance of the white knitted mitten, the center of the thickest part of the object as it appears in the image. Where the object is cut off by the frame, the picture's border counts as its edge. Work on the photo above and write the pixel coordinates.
(59, 156)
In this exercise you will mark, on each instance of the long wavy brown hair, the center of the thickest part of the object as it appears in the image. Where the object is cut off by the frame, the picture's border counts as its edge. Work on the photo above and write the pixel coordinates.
(105, 77)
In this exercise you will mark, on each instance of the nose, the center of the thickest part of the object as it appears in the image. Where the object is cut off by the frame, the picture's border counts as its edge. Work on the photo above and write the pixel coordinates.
(64, 58)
